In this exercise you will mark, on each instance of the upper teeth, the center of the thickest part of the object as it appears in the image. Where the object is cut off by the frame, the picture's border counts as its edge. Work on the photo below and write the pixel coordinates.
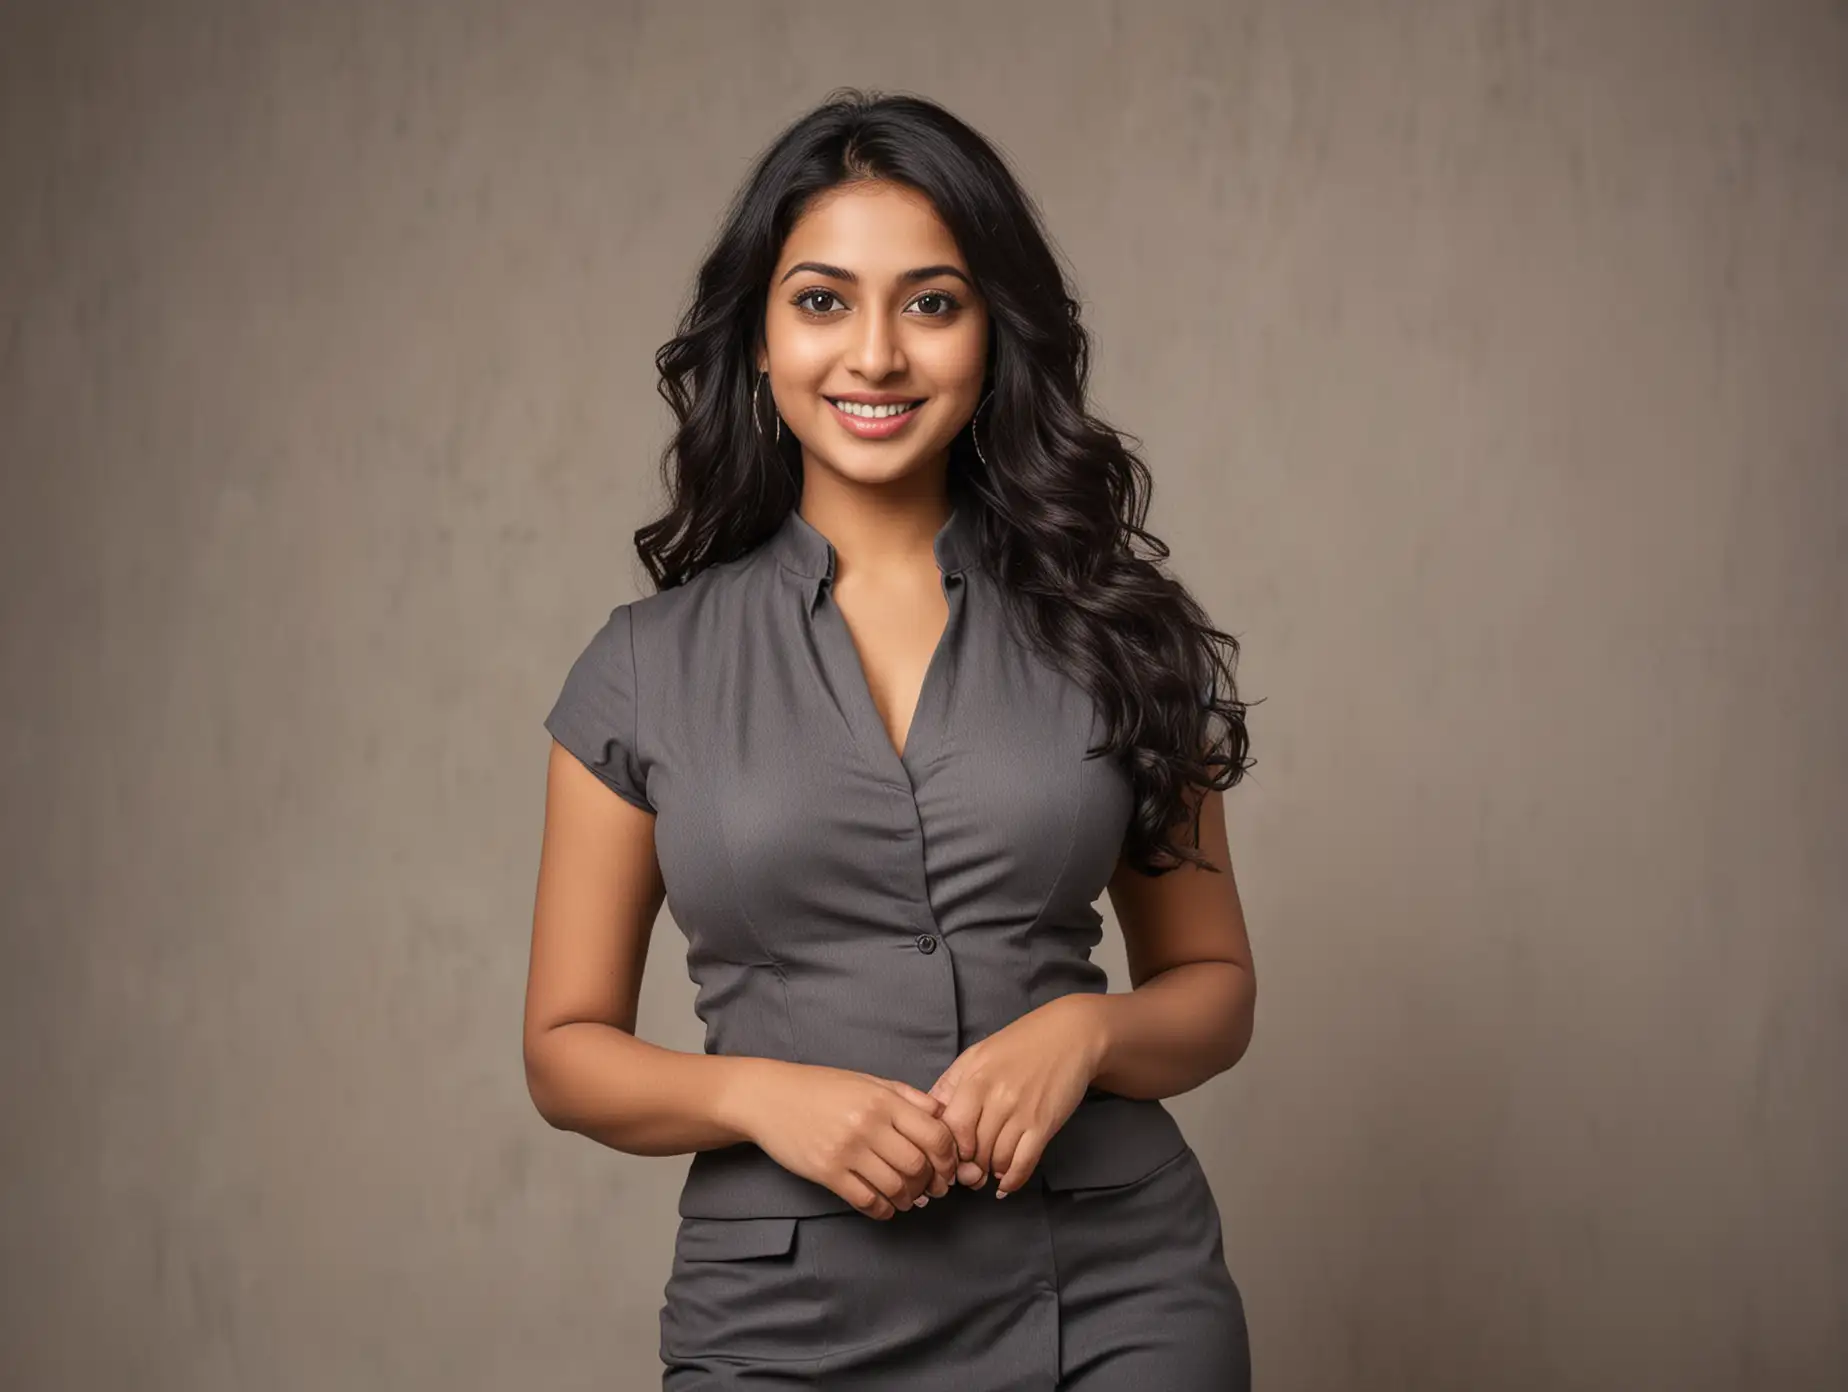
(860, 408)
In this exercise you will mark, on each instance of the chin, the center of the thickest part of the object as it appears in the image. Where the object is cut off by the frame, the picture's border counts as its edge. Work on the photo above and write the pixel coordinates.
(871, 466)
(876, 472)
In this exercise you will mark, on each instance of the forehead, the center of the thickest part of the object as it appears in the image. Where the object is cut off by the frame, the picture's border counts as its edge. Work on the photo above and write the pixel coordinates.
(871, 228)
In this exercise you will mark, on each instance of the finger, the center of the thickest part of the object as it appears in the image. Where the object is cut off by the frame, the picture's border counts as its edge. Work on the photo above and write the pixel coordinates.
(1025, 1161)
(908, 1162)
(987, 1132)
(931, 1136)
(946, 1154)
(1005, 1144)
(922, 1100)
(961, 1116)
(886, 1181)
(966, 1121)
(865, 1198)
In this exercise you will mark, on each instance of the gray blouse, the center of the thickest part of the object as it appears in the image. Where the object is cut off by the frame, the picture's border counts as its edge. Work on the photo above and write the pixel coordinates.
(844, 905)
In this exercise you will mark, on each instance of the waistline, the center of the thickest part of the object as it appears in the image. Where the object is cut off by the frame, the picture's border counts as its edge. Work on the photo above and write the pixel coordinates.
(1107, 1140)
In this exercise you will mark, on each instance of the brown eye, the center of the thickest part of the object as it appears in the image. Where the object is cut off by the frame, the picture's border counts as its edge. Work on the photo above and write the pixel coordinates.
(800, 302)
(946, 300)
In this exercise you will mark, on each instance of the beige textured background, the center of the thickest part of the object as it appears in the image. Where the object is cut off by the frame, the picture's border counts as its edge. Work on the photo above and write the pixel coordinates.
(1493, 362)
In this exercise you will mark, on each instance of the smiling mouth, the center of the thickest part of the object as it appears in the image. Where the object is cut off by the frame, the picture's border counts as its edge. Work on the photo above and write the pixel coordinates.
(861, 411)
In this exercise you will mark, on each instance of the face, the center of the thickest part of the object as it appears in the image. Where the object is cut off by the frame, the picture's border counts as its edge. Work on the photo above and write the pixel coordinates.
(871, 301)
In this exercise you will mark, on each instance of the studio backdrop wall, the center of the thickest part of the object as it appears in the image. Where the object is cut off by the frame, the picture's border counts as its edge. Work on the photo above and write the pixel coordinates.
(1492, 363)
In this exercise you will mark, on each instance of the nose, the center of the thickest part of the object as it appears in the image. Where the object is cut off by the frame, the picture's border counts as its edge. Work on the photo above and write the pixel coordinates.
(875, 352)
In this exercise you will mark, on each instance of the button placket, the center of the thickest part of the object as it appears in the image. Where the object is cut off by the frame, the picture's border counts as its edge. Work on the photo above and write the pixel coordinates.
(910, 878)
(928, 729)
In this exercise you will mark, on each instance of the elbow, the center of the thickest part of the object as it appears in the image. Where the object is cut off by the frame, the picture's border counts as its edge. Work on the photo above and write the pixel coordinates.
(1240, 1047)
(1247, 1017)
(1241, 1018)
(539, 1084)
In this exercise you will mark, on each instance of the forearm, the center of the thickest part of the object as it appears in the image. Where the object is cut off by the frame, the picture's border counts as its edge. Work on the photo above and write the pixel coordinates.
(1174, 1031)
(633, 1096)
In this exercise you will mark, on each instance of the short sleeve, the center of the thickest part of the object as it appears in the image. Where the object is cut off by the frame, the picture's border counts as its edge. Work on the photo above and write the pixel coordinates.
(596, 714)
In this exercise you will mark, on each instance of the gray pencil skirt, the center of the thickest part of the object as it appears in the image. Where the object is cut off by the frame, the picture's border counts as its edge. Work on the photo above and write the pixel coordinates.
(1116, 1288)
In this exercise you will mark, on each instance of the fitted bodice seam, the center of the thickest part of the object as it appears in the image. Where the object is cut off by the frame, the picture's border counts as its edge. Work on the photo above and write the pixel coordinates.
(1034, 937)
(724, 961)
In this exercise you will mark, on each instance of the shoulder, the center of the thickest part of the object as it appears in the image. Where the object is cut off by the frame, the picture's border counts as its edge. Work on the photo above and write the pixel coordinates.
(702, 608)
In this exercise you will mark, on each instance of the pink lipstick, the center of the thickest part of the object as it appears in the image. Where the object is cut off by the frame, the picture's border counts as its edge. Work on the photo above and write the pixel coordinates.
(872, 427)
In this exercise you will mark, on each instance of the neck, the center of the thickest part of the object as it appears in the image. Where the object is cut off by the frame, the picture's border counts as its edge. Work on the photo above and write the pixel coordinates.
(877, 527)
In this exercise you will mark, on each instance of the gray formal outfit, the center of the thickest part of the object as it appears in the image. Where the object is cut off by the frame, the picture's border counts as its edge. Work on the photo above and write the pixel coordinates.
(849, 906)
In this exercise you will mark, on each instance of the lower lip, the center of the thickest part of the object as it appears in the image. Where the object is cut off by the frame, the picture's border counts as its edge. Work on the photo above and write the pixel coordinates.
(873, 427)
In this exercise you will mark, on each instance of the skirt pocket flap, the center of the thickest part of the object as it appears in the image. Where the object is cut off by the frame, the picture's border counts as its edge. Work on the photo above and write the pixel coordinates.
(728, 1239)
(1111, 1141)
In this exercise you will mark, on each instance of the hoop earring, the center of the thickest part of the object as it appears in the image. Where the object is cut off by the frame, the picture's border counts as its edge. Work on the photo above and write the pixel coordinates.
(972, 436)
(757, 417)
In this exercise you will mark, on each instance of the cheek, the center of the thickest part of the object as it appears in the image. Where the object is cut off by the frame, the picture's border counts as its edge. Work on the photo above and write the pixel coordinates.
(958, 360)
(799, 380)
(800, 361)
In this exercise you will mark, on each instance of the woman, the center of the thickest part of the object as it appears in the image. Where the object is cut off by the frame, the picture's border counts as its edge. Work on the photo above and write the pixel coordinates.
(903, 705)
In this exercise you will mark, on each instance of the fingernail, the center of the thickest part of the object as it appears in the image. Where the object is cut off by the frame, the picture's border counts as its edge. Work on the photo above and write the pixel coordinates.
(1001, 1193)
(923, 1199)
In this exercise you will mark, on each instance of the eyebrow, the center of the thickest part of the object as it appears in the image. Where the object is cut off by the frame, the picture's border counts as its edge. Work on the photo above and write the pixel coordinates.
(841, 273)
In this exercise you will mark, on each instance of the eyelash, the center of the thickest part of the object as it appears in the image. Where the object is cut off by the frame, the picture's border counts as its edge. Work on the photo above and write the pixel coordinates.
(950, 300)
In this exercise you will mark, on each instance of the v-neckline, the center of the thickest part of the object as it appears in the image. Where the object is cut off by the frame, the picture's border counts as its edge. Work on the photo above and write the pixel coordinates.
(862, 711)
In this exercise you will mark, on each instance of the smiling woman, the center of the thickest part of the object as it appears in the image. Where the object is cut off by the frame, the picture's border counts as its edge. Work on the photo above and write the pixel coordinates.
(906, 702)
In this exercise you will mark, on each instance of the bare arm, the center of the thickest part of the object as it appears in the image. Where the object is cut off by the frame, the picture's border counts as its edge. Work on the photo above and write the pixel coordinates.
(599, 893)
(1191, 1009)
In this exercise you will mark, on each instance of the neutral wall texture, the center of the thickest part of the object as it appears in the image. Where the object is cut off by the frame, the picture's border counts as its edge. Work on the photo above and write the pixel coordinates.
(1492, 359)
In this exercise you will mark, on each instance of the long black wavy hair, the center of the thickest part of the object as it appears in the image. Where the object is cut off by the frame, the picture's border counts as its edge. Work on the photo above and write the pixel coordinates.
(1059, 505)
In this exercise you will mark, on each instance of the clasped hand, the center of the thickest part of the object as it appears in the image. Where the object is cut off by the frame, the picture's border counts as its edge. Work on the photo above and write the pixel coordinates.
(884, 1146)
(1007, 1095)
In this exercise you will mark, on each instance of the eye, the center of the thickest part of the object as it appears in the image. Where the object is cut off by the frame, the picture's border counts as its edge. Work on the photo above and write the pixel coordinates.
(940, 304)
(949, 302)
(800, 301)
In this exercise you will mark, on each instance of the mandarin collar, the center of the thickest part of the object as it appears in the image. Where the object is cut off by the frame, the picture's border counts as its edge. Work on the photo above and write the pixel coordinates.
(798, 546)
